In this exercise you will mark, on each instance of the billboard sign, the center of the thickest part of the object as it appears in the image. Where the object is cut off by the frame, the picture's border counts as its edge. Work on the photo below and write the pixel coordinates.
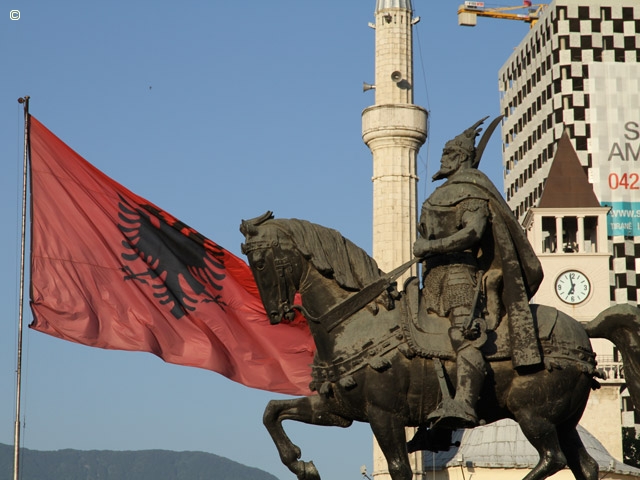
(614, 95)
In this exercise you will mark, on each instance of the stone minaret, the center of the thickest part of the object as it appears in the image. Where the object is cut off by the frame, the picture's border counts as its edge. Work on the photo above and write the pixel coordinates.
(394, 129)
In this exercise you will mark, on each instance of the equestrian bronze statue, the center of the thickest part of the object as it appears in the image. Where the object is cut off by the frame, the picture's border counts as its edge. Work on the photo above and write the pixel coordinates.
(461, 348)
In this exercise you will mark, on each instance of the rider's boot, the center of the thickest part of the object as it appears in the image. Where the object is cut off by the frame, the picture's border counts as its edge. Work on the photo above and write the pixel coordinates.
(459, 412)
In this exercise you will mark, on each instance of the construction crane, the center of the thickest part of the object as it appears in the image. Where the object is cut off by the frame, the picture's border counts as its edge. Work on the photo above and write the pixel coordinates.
(468, 13)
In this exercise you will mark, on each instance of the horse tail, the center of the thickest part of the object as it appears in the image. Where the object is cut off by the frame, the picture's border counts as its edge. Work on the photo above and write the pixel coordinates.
(621, 325)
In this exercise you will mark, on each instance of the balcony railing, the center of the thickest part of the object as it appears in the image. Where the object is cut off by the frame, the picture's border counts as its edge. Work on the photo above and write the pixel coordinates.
(612, 370)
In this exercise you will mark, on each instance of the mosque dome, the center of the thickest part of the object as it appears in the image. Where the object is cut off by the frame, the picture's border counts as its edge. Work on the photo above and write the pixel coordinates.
(503, 445)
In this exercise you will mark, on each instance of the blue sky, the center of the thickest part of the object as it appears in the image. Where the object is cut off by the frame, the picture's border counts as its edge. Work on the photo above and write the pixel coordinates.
(215, 111)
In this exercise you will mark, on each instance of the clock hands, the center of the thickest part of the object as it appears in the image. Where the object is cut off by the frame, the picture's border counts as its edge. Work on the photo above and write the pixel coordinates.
(573, 285)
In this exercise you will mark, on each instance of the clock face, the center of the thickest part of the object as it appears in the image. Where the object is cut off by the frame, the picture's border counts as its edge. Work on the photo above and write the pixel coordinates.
(573, 287)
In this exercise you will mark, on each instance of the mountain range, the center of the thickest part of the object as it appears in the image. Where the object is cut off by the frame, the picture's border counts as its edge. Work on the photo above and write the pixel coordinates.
(124, 465)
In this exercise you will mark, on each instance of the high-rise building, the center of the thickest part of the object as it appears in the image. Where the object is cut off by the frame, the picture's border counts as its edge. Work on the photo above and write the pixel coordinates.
(578, 69)
(571, 89)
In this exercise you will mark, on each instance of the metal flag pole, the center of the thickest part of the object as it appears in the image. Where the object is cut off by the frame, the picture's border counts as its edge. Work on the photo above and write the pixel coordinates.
(16, 432)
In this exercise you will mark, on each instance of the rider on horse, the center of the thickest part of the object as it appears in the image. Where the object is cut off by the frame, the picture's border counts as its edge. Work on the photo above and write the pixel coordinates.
(477, 265)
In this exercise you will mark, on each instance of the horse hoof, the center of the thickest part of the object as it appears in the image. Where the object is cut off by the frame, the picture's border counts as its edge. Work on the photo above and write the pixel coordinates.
(310, 472)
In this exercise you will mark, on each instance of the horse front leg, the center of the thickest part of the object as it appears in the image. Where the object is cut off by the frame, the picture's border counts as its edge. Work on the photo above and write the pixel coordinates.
(311, 410)
(389, 430)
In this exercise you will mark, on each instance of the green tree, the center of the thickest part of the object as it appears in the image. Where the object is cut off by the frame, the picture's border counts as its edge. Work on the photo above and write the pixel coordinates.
(631, 446)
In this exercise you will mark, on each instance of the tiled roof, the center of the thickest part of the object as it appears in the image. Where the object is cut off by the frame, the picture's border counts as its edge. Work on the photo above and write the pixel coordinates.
(567, 185)
(503, 445)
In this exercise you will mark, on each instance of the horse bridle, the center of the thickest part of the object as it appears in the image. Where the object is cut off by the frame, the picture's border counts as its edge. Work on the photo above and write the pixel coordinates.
(283, 266)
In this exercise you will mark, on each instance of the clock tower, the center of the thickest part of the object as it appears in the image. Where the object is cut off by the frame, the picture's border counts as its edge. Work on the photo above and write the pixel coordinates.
(568, 232)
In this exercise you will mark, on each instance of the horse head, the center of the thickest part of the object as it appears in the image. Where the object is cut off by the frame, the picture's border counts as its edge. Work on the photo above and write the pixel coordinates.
(291, 255)
(276, 264)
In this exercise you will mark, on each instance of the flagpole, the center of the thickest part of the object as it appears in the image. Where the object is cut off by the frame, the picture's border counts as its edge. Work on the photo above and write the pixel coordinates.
(16, 432)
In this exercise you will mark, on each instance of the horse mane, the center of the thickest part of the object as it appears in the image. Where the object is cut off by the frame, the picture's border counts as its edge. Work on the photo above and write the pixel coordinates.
(330, 253)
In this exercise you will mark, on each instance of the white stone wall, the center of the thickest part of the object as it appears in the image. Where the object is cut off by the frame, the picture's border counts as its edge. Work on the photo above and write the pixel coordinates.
(602, 418)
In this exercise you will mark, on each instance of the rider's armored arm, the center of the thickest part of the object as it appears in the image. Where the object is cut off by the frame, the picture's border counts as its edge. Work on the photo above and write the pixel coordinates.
(473, 224)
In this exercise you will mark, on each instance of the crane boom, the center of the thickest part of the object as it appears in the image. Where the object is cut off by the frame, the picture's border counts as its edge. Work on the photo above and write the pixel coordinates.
(469, 11)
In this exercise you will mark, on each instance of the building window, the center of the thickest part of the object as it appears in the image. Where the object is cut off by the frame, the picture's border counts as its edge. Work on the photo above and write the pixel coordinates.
(583, 13)
(558, 116)
(632, 295)
(562, 13)
(621, 280)
(591, 234)
(576, 54)
(630, 263)
(549, 234)
(577, 84)
(574, 25)
(563, 42)
(597, 54)
(629, 43)
(569, 234)
(618, 26)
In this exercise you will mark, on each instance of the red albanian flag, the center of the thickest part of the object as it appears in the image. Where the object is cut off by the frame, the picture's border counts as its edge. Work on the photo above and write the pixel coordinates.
(111, 270)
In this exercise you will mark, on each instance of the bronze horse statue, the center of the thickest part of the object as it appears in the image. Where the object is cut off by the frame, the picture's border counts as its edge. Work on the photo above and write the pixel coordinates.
(366, 370)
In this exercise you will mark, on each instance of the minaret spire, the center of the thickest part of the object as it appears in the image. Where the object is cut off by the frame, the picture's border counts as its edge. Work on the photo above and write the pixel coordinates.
(394, 52)
(394, 129)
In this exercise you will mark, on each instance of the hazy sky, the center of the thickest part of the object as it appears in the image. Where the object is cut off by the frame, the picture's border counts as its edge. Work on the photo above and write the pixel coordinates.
(215, 111)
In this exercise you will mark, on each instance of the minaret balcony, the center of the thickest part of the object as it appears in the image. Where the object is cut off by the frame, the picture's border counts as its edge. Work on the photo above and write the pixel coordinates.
(394, 120)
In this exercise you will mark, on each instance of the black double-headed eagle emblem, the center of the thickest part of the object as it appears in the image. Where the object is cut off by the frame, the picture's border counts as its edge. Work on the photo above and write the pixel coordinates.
(184, 268)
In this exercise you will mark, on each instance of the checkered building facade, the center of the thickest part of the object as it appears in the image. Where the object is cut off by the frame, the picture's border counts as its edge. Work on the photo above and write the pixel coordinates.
(551, 83)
